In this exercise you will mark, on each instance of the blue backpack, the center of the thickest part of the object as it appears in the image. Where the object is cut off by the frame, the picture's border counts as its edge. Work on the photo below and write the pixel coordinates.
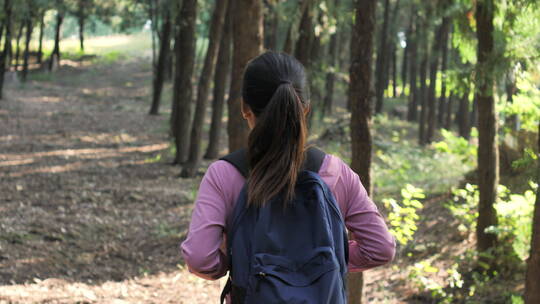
(294, 254)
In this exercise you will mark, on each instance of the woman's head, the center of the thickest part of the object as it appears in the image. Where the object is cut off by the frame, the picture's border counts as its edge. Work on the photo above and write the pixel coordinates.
(274, 92)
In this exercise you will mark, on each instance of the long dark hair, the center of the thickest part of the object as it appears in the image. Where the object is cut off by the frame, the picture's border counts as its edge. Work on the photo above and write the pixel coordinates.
(274, 89)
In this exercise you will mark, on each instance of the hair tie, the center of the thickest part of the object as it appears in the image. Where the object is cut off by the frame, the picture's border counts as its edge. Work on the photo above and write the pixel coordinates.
(285, 82)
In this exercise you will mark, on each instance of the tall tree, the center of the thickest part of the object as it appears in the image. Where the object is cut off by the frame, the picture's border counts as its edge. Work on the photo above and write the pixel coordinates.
(488, 149)
(29, 30)
(412, 45)
(54, 60)
(182, 92)
(220, 85)
(360, 95)
(214, 37)
(382, 59)
(248, 43)
(161, 69)
(331, 74)
(434, 67)
(532, 283)
(7, 43)
(306, 34)
(444, 66)
(18, 44)
(422, 94)
(462, 116)
(41, 32)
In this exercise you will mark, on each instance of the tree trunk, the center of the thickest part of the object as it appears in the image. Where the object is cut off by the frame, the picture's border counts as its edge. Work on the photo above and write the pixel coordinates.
(422, 96)
(81, 21)
(394, 70)
(462, 116)
(161, 69)
(331, 74)
(248, 43)
(444, 66)
(488, 149)
(305, 36)
(18, 46)
(474, 114)
(288, 46)
(406, 52)
(270, 27)
(412, 44)
(432, 97)
(382, 60)
(7, 43)
(55, 56)
(29, 30)
(220, 84)
(41, 32)
(185, 61)
(532, 283)
(360, 95)
(448, 112)
(214, 36)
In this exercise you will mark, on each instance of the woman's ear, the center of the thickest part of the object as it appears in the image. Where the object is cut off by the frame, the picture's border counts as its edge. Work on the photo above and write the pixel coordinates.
(248, 114)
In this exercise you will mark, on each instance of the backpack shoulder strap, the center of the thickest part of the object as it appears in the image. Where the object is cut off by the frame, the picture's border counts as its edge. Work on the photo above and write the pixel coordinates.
(238, 159)
(314, 159)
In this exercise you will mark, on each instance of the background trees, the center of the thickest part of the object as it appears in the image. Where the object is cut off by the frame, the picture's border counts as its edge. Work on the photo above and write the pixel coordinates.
(454, 85)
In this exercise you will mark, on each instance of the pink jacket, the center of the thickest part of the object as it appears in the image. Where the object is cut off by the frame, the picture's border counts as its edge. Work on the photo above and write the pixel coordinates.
(204, 249)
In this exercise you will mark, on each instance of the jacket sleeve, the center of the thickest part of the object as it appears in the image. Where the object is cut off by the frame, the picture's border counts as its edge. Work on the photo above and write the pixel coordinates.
(203, 250)
(372, 244)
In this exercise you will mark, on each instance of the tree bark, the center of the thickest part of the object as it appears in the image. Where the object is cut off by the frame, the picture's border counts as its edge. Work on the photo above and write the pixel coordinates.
(81, 21)
(331, 74)
(29, 30)
(406, 52)
(248, 43)
(214, 36)
(432, 97)
(161, 69)
(444, 67)
(532, 283)
(412, 44)
(41, 32)
(423, 90)
(18, 45)
(270, 27)
(448, 112)
(382, 60)
(305, 37)
(55, 56)
(182, 93)
(360, 95)
(394, 70)
(488, 149)
(462, 116)
(220, 84)
(7, 43)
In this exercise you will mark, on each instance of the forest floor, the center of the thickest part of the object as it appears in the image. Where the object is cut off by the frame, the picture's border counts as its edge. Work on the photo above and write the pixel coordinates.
(92, 212)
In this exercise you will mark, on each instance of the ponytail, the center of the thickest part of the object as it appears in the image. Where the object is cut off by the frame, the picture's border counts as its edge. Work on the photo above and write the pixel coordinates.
(276, 147)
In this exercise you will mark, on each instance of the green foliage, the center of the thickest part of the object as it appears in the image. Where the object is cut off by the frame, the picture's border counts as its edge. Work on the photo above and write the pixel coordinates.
(514, 213)
(458, 146)
(526, 103)
(421, 274)
(403, 215)
(528, 159)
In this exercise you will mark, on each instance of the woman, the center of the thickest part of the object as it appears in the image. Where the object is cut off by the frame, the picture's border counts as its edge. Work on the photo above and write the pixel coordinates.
(275, 106)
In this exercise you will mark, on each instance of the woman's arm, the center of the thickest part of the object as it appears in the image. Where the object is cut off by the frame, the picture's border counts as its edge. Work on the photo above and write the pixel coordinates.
(203, 248)
(372, 244)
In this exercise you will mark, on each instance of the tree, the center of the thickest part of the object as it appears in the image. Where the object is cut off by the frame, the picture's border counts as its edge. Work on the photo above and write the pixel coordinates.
(41, 32)
(434, 67)
(412, 41)
(532, 284)
(29, 30)
(248, 43)
(382, 59)
(214, 37)
(55, 55)
(360, 95)
(488, 149)
(7, 43)
(161, 69)
(182, 92)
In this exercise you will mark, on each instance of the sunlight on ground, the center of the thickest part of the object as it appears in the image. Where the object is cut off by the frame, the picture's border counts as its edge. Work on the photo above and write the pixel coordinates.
(137, 44)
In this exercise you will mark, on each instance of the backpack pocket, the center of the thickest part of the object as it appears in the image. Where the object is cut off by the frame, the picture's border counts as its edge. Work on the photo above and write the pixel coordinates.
(314, 279)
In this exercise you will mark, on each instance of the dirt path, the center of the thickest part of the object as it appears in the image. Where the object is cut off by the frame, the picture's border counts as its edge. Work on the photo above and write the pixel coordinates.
(88, 212)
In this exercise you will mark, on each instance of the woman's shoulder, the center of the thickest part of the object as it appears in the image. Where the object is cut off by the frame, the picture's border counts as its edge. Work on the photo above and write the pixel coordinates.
(334, 165)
